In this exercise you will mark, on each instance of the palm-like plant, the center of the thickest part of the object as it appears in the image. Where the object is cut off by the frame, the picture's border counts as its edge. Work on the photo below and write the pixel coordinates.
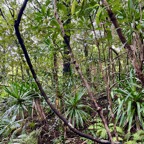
(75, 109)
(19, 99)
(129, 108)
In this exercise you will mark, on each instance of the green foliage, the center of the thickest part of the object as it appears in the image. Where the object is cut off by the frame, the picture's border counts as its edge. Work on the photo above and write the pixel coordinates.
(8, 125)
(73, 6)
(42, 37)
(16, 103)
(129, 107)
(87, 141)
(32, 125)
(98, 129)
(137, 137)
(31, 138)
(57, 140)
(18, 99)
(75, 110)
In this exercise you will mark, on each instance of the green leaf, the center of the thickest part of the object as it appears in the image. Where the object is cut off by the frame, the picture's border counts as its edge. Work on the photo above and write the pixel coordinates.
(129, 110)
(73, 6)
(138, 110)
(119, 130)
(100, 9)
(120, 108)
(130, 120)
(122, 119)
(54, 23)
(130, 4)
(121, 91)
(92, 7)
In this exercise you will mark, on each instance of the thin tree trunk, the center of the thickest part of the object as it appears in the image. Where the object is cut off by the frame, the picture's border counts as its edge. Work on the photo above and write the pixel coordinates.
(39, 109)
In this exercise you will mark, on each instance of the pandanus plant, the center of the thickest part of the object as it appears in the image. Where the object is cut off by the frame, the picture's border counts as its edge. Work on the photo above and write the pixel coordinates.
(20, 98)
(129, 106)
(76, 110)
